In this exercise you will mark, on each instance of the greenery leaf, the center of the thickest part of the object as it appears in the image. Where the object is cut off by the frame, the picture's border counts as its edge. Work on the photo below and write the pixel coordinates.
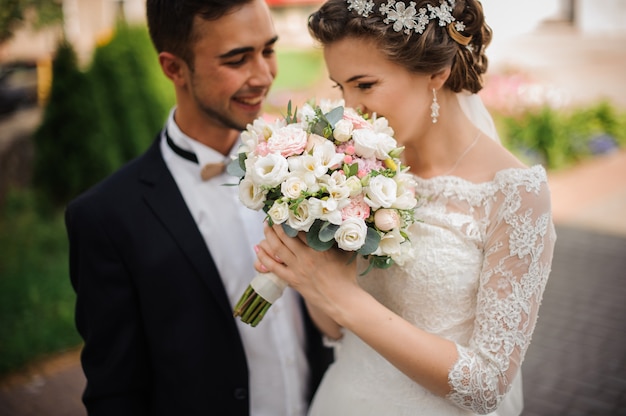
(236, 166)
(291, 232)
(334, 116)
(313, 240)
(327, 232)
(372, 239)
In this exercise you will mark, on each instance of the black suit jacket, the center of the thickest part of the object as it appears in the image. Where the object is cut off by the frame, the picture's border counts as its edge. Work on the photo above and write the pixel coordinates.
(159, 334)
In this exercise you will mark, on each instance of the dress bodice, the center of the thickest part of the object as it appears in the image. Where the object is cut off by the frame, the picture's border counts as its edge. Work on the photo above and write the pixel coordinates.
(475, 274)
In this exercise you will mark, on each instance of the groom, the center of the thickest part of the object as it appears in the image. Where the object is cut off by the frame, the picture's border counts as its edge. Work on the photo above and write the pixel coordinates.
(161, 250)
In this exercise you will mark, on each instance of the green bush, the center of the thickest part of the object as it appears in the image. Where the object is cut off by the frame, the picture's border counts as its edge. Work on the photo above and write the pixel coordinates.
(99, 119)
(560, 138)
(133, 95)
(36, 297)
(70, 151)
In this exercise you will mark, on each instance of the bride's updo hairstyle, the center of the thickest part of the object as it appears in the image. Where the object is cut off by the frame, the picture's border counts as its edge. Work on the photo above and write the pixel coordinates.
(441, 33)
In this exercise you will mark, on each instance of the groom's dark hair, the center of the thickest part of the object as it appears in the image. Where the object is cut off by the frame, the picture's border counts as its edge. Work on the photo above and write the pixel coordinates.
(171, 22)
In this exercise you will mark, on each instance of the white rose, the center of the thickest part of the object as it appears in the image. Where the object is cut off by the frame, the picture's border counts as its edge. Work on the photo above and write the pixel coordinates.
(343, 130)
(381, 192)
(270, 170)
(251, 195)
(279, 212)
(301, 219)
(355, 185)
(293, 187)
(386, 219)
(369, 144)
(350, 235)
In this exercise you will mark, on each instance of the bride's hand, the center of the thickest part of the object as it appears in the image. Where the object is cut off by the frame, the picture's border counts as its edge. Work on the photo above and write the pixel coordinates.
(322, 278)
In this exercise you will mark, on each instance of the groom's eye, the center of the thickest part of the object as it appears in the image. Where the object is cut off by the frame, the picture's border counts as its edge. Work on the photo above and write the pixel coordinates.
(237, 62)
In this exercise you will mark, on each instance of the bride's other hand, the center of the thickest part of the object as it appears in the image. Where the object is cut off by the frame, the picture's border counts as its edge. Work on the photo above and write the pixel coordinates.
(325, 279)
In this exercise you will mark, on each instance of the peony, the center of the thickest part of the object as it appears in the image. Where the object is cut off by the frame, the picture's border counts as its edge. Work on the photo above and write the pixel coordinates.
(386, 219)
(289, 140)
(350, 235)
(358, 122)
(357, 208)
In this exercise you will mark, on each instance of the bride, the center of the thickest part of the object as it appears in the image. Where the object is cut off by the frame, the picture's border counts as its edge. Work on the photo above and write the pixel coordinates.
(445, 332)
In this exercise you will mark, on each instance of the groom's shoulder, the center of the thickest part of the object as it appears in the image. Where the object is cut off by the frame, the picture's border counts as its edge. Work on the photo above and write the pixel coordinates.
(120, 184)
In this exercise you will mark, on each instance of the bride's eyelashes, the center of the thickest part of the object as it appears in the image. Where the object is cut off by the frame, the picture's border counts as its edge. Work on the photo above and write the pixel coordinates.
(365, 85)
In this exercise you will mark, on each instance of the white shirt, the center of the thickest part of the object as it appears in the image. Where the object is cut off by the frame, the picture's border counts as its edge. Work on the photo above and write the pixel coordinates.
(275, 348)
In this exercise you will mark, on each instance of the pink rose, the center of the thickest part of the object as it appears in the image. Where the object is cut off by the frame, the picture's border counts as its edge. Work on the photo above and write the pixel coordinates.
(357, 121)
(386, 219)
(262, 149)
(356, 209)
(288, 141)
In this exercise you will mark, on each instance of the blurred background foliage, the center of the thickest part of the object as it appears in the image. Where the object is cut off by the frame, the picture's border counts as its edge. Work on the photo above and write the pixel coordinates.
(16, 12)
(99, 117)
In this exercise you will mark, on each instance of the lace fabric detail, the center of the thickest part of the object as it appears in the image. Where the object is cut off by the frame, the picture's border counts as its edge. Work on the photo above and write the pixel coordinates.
(481, 258)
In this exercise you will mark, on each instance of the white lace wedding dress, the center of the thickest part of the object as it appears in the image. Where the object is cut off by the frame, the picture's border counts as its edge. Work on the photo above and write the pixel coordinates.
(481, 259)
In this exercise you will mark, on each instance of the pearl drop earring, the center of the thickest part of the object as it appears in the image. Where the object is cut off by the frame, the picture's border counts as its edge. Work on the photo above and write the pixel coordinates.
(434, 107)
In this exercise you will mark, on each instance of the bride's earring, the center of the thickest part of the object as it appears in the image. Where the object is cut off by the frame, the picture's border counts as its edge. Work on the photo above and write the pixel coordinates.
(434, 107)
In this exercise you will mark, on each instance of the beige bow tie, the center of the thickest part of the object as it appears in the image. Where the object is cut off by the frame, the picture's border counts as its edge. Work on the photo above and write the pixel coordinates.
(208, 171)
(211, 170)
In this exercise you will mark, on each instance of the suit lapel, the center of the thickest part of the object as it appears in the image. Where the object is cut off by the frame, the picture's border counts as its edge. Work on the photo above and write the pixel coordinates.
(163, 196)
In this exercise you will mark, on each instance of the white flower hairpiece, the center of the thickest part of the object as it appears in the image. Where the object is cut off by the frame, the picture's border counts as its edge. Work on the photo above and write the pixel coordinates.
(407, 18)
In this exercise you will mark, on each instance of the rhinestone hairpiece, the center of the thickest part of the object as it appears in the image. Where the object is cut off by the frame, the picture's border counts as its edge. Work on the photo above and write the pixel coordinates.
(406, 18)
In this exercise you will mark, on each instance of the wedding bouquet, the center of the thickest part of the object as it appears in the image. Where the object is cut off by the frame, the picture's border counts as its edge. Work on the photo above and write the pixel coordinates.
(331, 173)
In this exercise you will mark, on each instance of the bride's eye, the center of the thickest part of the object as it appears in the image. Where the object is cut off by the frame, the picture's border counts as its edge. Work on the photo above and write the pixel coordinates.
(335, 85)
(365, 85)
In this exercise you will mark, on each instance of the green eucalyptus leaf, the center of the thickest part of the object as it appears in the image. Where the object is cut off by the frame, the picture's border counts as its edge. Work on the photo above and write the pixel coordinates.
(291, 232)
(313, 240)
(327, 232)
(372, 239)
(237, 166)
(334, 116)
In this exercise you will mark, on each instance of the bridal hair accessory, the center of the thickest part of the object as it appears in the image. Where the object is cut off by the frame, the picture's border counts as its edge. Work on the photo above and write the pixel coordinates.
(434, 107)
(408, 19)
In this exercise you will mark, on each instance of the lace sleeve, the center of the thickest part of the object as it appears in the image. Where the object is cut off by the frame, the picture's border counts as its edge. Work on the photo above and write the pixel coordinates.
(518, 256)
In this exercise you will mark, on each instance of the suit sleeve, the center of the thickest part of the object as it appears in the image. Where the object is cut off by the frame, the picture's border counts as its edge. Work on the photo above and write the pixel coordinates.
(115, 357)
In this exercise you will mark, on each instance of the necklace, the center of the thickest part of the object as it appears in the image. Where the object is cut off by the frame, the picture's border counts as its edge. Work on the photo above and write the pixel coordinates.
(465, 152)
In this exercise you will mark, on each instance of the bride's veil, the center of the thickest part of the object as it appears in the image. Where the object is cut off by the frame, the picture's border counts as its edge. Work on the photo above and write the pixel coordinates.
(473, 107)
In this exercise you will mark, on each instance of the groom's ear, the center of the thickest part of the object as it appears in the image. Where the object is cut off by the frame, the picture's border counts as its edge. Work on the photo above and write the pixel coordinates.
(173, 67)
(439, 78)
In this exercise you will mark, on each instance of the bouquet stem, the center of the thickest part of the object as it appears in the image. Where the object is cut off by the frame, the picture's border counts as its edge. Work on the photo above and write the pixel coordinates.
(263, 291)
